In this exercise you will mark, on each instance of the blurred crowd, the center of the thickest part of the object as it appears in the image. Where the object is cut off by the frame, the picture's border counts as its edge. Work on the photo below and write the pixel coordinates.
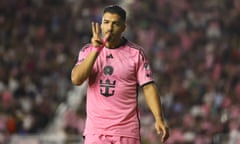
(193, 46)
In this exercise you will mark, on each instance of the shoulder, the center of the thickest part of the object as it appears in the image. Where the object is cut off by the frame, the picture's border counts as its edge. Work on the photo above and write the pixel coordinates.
(135, 48)
(86, 47)
(132, 45)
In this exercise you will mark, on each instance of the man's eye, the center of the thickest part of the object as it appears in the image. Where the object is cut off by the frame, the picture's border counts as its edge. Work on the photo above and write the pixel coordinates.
(117, 24)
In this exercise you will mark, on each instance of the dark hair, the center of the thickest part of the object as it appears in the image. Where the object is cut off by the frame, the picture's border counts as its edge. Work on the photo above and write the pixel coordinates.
(115, 9)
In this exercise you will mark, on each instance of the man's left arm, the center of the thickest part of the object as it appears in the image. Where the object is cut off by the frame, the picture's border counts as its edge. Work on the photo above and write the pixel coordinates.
(154, 103)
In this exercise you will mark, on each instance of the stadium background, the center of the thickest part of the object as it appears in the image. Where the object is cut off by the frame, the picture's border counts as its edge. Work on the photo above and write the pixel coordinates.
(194, 50)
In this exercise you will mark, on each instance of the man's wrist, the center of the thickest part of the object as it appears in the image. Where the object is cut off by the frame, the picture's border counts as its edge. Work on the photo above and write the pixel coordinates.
(98, 49)
(157, 118)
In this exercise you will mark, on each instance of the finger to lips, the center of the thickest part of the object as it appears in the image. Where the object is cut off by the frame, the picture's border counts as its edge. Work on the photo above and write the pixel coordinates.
(106, 37)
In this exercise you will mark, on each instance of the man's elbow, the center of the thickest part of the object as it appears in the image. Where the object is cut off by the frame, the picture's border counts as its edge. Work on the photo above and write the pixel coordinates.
(75, 81)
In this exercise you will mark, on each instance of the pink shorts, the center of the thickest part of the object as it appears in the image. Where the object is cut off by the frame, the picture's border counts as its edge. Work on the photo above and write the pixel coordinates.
(108, 139)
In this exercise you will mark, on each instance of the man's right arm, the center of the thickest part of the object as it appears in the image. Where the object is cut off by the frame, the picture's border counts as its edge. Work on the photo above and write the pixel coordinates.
(80, 72)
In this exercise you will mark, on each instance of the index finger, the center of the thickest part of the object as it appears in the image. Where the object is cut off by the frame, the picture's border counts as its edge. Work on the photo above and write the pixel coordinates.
(93, 29)
(97, 29)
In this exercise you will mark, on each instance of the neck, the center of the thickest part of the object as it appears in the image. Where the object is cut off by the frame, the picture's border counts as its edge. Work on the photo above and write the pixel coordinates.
(114, 44)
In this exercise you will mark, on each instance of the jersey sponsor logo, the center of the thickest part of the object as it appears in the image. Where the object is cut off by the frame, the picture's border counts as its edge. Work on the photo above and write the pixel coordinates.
(148, 70)
(107, 86)
(147, 66)
(109, 56)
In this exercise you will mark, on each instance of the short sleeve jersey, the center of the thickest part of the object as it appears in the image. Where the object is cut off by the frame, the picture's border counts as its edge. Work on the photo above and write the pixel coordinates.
(113, 88)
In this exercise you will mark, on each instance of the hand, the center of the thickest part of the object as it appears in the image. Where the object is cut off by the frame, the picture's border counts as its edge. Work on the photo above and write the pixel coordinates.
(162, 128)
(96, 40)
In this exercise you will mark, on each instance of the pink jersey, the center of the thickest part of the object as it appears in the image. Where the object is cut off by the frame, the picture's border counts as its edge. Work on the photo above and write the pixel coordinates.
(112, 90)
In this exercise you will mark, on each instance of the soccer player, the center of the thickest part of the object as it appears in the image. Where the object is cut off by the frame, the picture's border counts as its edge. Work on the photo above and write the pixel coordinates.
(115, 67)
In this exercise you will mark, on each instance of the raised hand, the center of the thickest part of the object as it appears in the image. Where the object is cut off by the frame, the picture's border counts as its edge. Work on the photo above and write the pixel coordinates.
(96, 40)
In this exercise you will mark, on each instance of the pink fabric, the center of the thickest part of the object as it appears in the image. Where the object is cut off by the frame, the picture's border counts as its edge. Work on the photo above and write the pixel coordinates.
(107, 139)
(112, 90)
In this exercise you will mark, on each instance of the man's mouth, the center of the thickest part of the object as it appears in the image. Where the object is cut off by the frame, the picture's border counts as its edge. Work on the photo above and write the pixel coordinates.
(109, 35)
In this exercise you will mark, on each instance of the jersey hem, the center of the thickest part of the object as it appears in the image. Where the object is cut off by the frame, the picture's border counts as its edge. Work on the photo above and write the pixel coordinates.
(112, 134)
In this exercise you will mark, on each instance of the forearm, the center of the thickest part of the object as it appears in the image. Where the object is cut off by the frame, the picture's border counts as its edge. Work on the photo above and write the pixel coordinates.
(81, 71)
(153, 101)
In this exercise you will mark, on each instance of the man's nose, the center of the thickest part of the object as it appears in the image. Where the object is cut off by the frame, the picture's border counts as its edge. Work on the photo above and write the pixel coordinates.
(110, 27)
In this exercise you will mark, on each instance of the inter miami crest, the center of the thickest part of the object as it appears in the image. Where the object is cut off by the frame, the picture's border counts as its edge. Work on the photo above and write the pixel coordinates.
(107, 86)
(108, 70)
